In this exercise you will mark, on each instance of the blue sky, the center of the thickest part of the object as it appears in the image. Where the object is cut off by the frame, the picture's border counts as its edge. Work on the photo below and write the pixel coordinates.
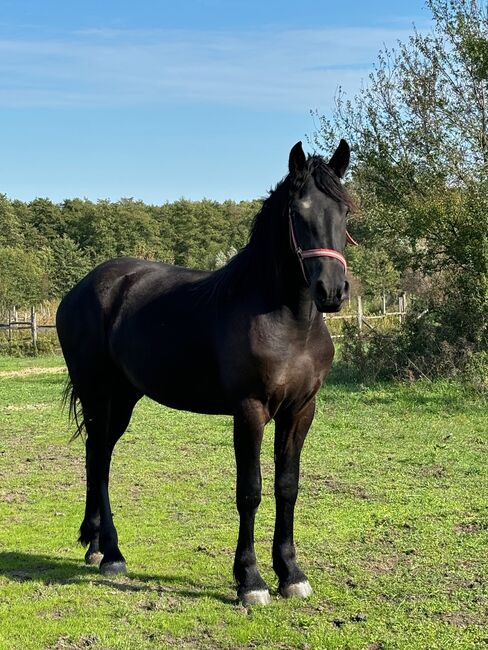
(158, 100)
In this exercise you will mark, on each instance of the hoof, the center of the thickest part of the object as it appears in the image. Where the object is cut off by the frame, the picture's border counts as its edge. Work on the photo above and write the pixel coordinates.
(256, 597)
(297, 590)
(112, 568)
(93, 558)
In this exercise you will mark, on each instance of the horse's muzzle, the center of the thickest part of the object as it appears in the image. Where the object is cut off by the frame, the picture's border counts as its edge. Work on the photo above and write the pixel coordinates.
(330, 299)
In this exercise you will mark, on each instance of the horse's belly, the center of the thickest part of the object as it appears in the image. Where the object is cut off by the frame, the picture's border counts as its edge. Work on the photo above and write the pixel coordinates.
(182, 375)
(191, 396)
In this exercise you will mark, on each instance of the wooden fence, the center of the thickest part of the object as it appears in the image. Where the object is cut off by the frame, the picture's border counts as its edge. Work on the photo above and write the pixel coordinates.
(363, 320)
(355, 312)
(28, 322)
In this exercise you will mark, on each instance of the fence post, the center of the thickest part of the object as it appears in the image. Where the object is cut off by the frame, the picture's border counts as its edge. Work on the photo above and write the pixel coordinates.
(34, 329)
(360, 313)
(402, 306)
(9, 331)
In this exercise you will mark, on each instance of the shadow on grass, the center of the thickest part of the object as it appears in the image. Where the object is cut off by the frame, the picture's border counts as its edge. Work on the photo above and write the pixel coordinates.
(25, 567)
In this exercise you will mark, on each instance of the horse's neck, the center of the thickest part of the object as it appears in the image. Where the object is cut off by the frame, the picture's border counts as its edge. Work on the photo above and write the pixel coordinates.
(282, 285)
(302, 308)
(292, 297)
(279, 280)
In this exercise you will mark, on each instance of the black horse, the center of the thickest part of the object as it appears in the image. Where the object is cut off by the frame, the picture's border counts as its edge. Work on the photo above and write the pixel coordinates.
(247, 340)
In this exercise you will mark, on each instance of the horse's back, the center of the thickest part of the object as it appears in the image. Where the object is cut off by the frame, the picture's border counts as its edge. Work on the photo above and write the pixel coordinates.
(165, 339)
(103, 290)
(88, 313)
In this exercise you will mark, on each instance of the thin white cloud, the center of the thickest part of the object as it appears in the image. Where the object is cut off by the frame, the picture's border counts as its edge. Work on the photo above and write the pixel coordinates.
(290, 70)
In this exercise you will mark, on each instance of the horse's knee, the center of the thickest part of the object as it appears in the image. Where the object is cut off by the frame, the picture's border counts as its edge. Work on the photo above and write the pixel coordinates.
(286, 488)
(248, 502)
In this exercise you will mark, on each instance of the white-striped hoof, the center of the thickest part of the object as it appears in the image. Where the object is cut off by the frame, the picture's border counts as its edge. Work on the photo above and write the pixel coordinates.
(93, 558)
(297, 590)
(256, 597)
(112, 568)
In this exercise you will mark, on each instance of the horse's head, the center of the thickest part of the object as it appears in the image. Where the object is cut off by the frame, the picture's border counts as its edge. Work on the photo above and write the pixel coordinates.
(317, 220)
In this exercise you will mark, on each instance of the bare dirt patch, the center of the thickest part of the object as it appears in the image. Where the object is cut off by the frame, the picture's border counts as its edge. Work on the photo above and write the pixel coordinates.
(11, 408)
(435, 471)
(385, 565)
(24, 372)
(315, 484)
(462, 619)
(68, 643)
(469, 527)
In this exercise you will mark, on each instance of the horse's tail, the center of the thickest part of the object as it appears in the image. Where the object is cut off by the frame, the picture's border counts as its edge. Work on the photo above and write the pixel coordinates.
(75, 413)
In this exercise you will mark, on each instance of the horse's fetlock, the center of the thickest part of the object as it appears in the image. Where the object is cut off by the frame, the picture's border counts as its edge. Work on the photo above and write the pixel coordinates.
(89, 530)
(286, 550)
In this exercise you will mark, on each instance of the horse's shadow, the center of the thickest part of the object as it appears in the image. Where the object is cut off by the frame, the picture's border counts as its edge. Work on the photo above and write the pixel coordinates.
(25, 567)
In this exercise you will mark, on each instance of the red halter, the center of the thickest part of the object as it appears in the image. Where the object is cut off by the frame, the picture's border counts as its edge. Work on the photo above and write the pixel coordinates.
(316, 252)
(351, 240)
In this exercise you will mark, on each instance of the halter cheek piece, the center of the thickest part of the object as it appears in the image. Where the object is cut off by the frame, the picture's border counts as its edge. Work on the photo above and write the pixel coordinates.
(316, 252)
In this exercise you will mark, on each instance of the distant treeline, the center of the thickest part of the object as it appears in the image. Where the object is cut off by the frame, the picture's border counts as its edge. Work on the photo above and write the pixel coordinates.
(45, 247)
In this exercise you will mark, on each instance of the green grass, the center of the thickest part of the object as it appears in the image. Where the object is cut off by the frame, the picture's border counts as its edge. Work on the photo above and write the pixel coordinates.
(391, 526)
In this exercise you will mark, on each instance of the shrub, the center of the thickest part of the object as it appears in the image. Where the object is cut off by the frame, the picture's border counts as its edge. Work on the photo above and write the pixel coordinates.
(425, 347)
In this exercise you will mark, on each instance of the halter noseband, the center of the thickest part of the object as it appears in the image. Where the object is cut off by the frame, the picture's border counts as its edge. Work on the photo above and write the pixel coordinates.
(316, 252)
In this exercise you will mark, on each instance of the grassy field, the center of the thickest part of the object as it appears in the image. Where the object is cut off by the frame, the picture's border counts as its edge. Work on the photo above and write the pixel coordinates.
(392, 526)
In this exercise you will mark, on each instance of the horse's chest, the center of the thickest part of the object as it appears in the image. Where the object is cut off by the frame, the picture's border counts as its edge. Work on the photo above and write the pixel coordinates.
(290, 366)
(296, 372)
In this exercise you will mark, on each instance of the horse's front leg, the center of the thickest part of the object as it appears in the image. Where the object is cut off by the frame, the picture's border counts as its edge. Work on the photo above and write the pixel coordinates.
(249, 423)
(290, 432)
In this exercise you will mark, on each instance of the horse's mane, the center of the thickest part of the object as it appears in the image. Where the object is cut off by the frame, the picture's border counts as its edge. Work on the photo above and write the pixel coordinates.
(263, 257)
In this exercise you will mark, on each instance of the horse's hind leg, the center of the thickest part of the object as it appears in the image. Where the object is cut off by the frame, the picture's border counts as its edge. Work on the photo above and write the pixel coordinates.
(90, 526)
(291, 430)
(105, 421)
(248, 435)
(120, 414)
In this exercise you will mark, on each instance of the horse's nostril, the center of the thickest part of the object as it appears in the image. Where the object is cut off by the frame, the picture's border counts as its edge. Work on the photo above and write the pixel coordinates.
(343, 293)
(320, 289)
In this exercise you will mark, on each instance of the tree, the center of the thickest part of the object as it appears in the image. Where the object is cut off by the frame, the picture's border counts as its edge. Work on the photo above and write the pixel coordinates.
(10, 226)
(419, 134)
(376, 270)
(23, 278)
(45, 221)
(67, 264)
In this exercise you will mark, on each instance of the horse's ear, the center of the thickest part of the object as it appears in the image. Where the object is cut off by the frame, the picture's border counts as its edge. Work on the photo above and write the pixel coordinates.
(340, 160)
(297, 161)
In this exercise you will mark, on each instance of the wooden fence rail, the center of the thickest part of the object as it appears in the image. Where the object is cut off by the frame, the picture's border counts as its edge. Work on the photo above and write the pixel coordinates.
(13, 323)
(363, 319)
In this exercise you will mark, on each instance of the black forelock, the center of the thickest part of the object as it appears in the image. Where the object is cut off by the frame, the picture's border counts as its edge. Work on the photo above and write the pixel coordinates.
(327, 180)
